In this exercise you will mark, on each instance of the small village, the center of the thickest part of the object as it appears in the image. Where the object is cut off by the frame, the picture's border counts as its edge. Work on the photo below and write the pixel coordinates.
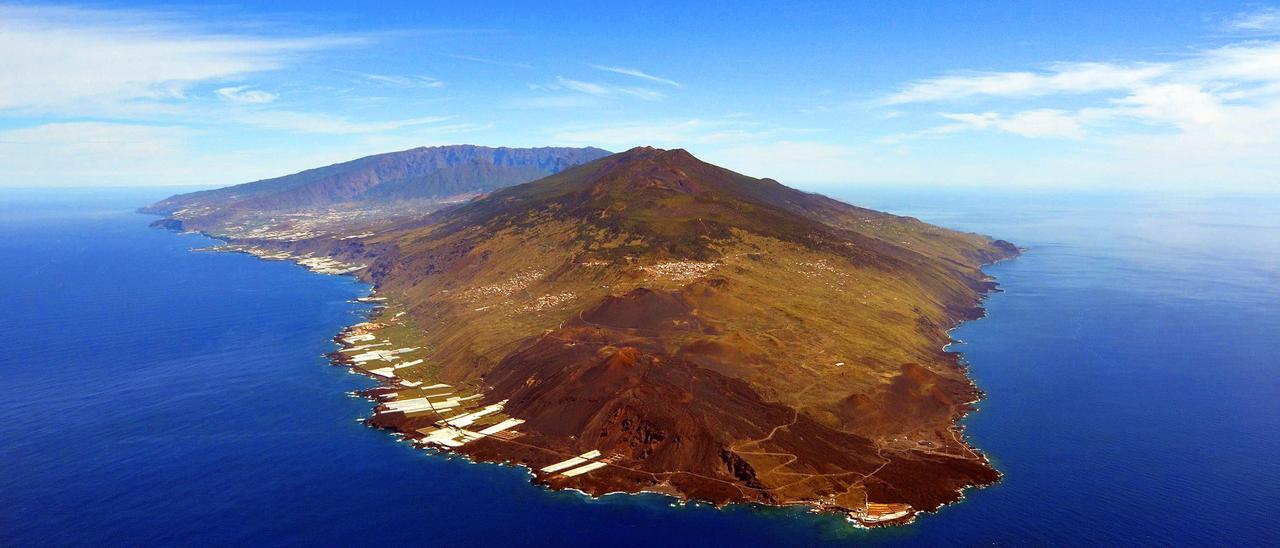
(346, 223)
(319, 265)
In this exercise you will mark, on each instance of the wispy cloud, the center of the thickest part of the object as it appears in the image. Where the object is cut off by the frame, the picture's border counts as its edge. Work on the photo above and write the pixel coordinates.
(1035, 123)
(1182, 93)
(1074, 78)
(402, 81)
(1030, 123)
(1204, 113)
(603, 90)
(55, 59)
(487, 61)
(1264, 20)
(637, 73)
(584, 87)
(555, 101)
(245, 95)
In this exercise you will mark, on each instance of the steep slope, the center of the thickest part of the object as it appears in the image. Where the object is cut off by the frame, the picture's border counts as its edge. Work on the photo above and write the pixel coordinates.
(720, 337)
(422, 177)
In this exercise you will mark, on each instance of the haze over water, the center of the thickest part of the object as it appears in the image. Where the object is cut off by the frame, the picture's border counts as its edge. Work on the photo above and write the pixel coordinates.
(155, 395)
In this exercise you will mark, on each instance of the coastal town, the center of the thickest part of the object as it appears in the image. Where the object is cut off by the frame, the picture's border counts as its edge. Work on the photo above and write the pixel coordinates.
(317, 264)
(307, 223)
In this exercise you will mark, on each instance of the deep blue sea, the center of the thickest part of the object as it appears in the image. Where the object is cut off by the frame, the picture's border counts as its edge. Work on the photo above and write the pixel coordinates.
(152, 395)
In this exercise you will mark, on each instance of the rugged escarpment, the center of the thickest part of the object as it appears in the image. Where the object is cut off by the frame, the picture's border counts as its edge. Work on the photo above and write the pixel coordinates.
(369, 190)
(678, 327)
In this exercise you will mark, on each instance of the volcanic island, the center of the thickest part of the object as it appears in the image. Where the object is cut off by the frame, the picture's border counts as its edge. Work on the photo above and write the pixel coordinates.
(640, 321)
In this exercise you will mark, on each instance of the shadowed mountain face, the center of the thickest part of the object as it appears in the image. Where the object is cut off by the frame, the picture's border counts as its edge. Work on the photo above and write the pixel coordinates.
(423, 176)
(722, 337)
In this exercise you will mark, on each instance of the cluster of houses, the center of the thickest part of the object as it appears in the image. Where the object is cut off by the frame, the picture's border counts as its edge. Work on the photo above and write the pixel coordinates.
(320, 265)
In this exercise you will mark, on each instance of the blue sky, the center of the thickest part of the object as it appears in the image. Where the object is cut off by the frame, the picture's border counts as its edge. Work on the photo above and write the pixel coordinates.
(1167, 95)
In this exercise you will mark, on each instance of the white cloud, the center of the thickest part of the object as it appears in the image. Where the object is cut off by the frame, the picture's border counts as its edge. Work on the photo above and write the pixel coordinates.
(245, 95)
(1239, 147)
(637, 73)
(1209, 116)
(403, 81)
(1177, 104)
(1261, 21)
(1032, 123)
(59, 59)
(584, 87)
(1250, 62)
(1229, 69)
(486, 61)
(1036, 123)
(1076, 78)
(603, 90)
(1043, 123)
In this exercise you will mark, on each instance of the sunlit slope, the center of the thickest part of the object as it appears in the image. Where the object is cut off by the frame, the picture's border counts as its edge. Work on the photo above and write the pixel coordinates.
(728, 338)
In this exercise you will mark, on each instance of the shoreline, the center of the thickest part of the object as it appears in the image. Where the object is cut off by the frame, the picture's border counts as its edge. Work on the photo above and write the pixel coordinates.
(849, 516)
(390, 384)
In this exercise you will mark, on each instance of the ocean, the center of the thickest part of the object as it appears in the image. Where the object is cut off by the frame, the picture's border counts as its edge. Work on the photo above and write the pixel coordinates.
(156, 396)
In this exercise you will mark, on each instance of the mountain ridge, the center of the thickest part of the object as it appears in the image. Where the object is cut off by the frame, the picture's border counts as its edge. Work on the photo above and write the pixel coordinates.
(676, 348)
(720, 337)
(423, 173)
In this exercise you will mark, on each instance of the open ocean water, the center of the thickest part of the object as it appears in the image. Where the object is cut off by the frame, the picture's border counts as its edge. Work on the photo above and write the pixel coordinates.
(151, 395)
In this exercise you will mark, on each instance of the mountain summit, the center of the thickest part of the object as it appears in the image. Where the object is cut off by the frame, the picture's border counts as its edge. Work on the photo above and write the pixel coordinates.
(680, 204)
(677, 327)
(725, 338)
